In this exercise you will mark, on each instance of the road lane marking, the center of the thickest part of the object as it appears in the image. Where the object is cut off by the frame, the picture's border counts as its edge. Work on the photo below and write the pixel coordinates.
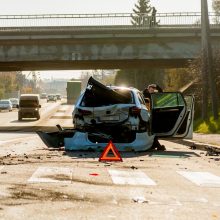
(130, 178)
(64, 112)
(51, 175)
(18, 139)
(201, 178)
(61, 117)
(61, 110)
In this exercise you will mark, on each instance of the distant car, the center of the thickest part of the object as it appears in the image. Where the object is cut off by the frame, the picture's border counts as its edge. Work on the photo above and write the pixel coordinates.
(29, 106)
(58, 96)
(43, 96)
(14, 102)
(103, 113)
(51, 98)
(5, 104)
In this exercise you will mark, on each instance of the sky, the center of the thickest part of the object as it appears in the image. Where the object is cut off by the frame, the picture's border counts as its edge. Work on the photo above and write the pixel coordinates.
(93, 6)
(18, 7)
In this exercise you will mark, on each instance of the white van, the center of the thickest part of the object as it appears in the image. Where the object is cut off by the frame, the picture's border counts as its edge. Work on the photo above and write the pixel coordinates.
(29, 106)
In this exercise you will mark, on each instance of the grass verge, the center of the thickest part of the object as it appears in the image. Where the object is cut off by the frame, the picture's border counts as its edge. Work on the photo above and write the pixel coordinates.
(210, 126)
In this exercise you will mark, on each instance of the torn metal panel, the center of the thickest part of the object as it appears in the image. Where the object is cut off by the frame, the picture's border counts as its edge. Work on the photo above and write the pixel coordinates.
(97, 94)
(55, 139)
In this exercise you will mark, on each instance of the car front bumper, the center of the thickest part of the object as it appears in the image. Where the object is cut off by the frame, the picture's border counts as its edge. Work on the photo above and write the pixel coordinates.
(80, 141)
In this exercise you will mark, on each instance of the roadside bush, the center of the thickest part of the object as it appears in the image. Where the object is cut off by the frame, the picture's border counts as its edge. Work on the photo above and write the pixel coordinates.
(210, 126)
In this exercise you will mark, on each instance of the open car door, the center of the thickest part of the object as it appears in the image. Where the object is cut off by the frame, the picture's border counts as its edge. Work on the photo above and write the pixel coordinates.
(186, 128)
(170, 115)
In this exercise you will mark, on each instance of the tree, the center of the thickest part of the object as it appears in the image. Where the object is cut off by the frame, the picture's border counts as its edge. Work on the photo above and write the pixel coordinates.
(142, 13)
(176, 79)
(13, 82)
(140, 78)
(195, 72)
(216, 6)
(8, 83)
(216, 9)
(145, 15)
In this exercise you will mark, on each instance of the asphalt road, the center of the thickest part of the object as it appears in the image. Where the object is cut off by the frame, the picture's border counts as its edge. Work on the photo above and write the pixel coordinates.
(41, 183)
(52, 113)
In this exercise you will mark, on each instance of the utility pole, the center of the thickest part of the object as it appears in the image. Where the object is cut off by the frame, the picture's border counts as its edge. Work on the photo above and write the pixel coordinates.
(209, 80)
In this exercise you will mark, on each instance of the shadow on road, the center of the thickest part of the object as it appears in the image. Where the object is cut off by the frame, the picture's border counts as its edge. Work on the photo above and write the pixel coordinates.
(173, 154)
(27, 128)
(150, 153)
(24, 121)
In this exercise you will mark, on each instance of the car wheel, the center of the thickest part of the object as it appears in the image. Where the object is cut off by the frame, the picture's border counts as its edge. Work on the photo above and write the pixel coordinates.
(19, 118)
(38, 117)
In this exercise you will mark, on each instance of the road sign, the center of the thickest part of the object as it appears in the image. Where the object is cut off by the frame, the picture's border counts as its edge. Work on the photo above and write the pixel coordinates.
(110, 148)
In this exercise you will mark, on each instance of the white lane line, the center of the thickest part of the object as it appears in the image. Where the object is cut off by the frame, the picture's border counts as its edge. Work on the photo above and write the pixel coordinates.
(130, 178)
(64, 112)
(51, 175)
(201, 178)
(18, 139)
(60, 117)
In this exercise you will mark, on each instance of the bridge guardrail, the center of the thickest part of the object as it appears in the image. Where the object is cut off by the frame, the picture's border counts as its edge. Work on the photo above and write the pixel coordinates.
(183, 19)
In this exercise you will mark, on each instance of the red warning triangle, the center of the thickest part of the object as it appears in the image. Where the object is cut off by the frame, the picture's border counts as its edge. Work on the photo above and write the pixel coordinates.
(110, 147)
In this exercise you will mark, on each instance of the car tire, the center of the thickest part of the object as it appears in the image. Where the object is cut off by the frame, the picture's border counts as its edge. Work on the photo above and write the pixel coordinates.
(19, 118)
(38, 117)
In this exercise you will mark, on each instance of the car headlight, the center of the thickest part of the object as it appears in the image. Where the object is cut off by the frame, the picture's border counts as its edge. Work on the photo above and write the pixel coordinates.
(35, 109)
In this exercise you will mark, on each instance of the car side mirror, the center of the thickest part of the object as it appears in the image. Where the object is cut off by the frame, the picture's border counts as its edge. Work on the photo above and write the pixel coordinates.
(39, 106)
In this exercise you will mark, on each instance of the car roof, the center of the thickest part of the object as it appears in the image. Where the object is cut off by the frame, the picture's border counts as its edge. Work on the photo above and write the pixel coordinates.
(29, 96)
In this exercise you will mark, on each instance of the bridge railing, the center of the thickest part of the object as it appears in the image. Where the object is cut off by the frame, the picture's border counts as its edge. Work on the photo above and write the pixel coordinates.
(128, 20)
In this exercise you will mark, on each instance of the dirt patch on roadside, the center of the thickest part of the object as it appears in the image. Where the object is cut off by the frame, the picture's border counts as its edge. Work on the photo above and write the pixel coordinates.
(91, 182)
(20, 194)
(62, 177)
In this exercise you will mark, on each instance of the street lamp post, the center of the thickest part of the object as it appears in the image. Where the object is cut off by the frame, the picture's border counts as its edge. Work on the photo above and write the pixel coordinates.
(207, 67)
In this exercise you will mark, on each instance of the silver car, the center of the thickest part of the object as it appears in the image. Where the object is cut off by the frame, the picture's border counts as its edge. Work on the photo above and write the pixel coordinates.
(120, 114)
(5, 104)
(51, 98)
(104, 113)
(15, 102)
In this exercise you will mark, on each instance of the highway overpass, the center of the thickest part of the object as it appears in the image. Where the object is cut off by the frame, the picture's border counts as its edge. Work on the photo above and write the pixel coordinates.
(46, 43)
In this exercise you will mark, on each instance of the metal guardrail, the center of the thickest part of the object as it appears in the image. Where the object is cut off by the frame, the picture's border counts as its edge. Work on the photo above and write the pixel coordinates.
(183, 19)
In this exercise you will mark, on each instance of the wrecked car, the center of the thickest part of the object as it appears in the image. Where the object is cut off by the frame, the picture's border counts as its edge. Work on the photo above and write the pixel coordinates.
(119, 114)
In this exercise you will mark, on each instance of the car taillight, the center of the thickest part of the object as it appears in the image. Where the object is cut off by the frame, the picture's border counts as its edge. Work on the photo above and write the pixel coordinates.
(84, 112)
(135, 111)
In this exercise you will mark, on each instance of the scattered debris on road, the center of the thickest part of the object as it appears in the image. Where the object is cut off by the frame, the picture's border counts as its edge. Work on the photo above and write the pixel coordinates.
(140, 199)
